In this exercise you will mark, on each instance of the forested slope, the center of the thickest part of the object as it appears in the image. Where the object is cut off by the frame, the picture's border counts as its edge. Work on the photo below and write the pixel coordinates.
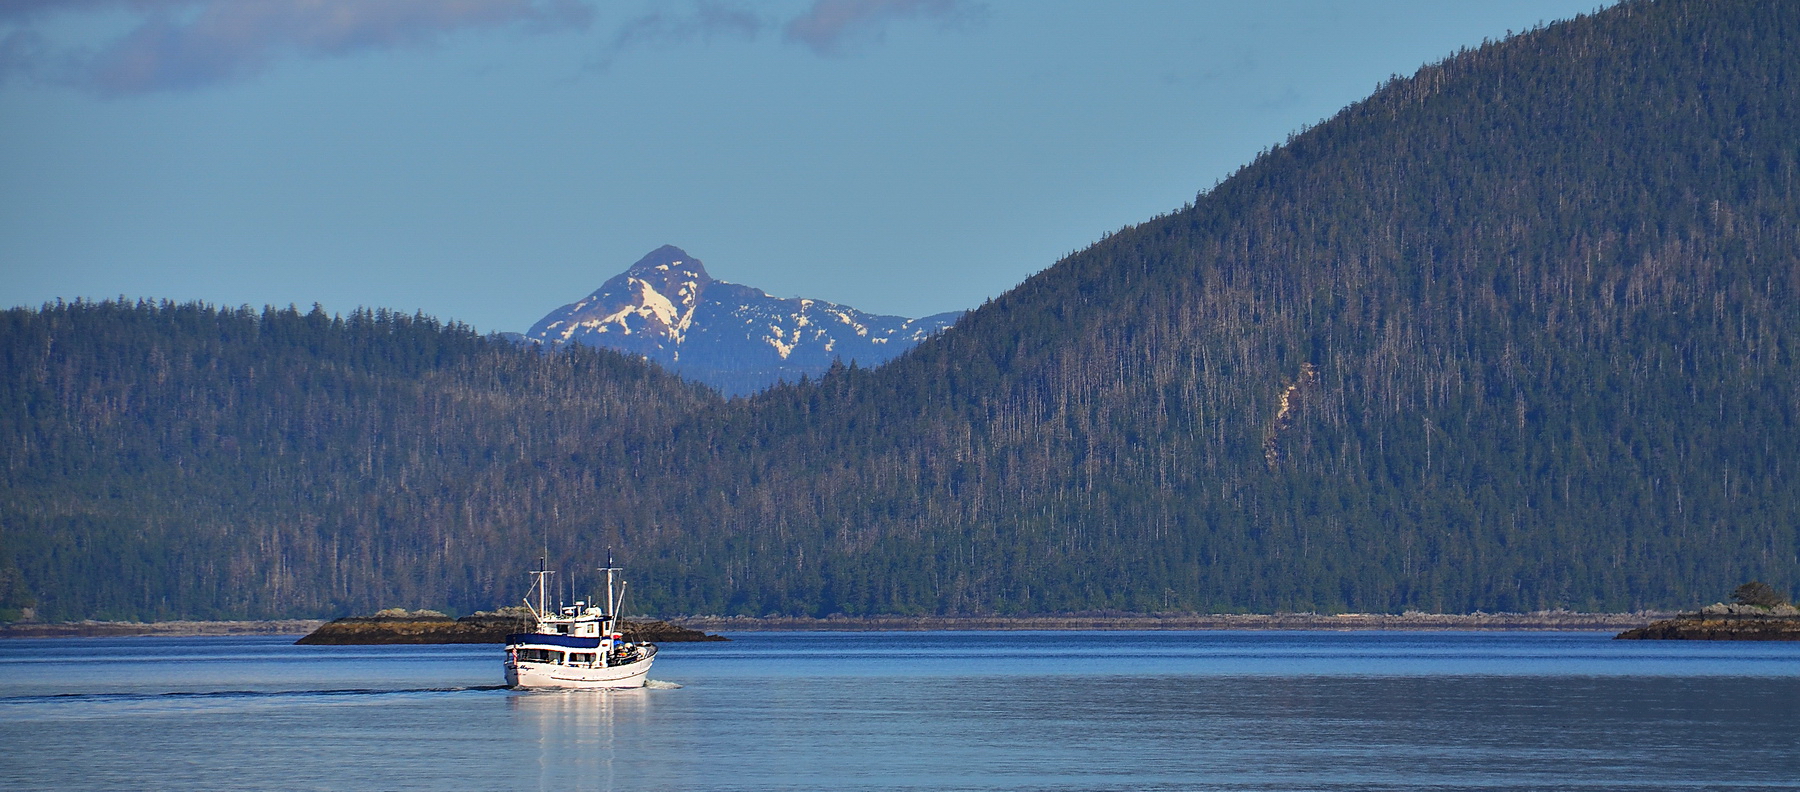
(179, 460)
(1530, 312)
(1516, 332)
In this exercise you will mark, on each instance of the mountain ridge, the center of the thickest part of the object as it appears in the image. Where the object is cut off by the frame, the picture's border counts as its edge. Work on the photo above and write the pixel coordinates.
(739, 339)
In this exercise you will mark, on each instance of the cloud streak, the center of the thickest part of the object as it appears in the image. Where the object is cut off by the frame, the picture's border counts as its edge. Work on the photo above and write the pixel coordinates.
(176, 45)
(709, 21)
(830, 27)
(184, 44)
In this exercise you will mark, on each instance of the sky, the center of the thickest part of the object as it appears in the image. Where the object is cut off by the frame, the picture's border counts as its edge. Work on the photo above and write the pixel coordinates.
(487, 161)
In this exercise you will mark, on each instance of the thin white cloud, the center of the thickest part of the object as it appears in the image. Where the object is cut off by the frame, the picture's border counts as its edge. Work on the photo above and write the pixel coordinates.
(831, 26)
(173, 45)
(179, 44)
(708, 21)
(827, 27)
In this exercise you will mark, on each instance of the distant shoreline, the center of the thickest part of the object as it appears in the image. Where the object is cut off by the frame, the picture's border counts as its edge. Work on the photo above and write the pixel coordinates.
(1543, 621)
(175, 629)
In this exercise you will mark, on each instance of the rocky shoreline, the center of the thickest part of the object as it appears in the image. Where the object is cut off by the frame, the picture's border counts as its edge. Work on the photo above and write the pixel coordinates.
(484, 628)
(1722, 622)
(107, 629)
(1541, 620)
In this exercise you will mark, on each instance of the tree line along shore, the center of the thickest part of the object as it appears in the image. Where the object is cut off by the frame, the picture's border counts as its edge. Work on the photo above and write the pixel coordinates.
(1552, 620)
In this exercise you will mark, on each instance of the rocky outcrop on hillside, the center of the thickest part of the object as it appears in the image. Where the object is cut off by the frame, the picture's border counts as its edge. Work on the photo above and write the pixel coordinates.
(399, 626)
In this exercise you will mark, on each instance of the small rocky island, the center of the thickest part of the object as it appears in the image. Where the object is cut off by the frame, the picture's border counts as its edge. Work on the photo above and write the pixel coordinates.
(1758, 613)
(401, 626)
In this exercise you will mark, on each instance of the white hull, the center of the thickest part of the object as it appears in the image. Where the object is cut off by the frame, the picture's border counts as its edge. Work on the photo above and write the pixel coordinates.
(526, 675)
(577, 646)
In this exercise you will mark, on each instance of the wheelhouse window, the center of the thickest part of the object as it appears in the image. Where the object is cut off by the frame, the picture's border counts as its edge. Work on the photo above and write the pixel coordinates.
(578, 658)
(540, 656)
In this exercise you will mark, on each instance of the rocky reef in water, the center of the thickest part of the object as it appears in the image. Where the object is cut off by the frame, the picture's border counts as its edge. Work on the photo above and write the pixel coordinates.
(1722, 622)
(400, 626)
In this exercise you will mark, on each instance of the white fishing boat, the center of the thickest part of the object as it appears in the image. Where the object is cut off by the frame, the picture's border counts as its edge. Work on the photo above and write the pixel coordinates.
(576, 646)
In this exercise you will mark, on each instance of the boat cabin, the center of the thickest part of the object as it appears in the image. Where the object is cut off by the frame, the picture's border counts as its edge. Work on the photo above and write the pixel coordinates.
(580, 620)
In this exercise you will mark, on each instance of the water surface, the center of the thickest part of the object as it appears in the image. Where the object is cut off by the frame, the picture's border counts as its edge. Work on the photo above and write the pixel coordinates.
(917, 711)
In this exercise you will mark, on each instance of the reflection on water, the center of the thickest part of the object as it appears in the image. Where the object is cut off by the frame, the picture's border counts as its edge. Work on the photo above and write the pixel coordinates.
(580, 733)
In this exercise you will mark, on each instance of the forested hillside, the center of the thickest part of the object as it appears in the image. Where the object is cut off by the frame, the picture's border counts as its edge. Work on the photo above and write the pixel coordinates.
(167, 460)
(1516, 332)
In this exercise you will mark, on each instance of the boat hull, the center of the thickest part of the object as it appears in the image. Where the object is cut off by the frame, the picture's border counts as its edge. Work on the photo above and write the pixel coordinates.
(525, 675)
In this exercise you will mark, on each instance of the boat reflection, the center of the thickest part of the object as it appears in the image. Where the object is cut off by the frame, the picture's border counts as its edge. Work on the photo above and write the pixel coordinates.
(587, 739)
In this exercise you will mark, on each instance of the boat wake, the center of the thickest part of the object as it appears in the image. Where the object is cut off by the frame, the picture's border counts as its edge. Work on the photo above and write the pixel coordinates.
(657, 684)
(233, 694)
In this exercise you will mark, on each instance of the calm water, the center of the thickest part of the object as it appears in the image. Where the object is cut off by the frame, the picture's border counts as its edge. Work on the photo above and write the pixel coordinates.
(917, 711)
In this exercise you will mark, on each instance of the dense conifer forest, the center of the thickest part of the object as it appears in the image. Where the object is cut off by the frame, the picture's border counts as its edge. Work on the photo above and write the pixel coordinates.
(168, 460)
(1516, 332)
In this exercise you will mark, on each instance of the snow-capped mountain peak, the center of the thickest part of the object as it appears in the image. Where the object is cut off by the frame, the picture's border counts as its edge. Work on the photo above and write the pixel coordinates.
(653, 300)
(736, 338)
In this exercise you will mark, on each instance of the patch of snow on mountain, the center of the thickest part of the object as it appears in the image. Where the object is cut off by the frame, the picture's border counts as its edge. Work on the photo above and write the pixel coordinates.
(652, 304)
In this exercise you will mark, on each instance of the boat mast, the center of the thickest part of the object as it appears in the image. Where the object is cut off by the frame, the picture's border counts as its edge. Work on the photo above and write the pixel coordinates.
(612, 604)
(543, 589)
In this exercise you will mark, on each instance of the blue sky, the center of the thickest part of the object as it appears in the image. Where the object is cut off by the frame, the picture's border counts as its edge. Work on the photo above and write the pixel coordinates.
(490, 160)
